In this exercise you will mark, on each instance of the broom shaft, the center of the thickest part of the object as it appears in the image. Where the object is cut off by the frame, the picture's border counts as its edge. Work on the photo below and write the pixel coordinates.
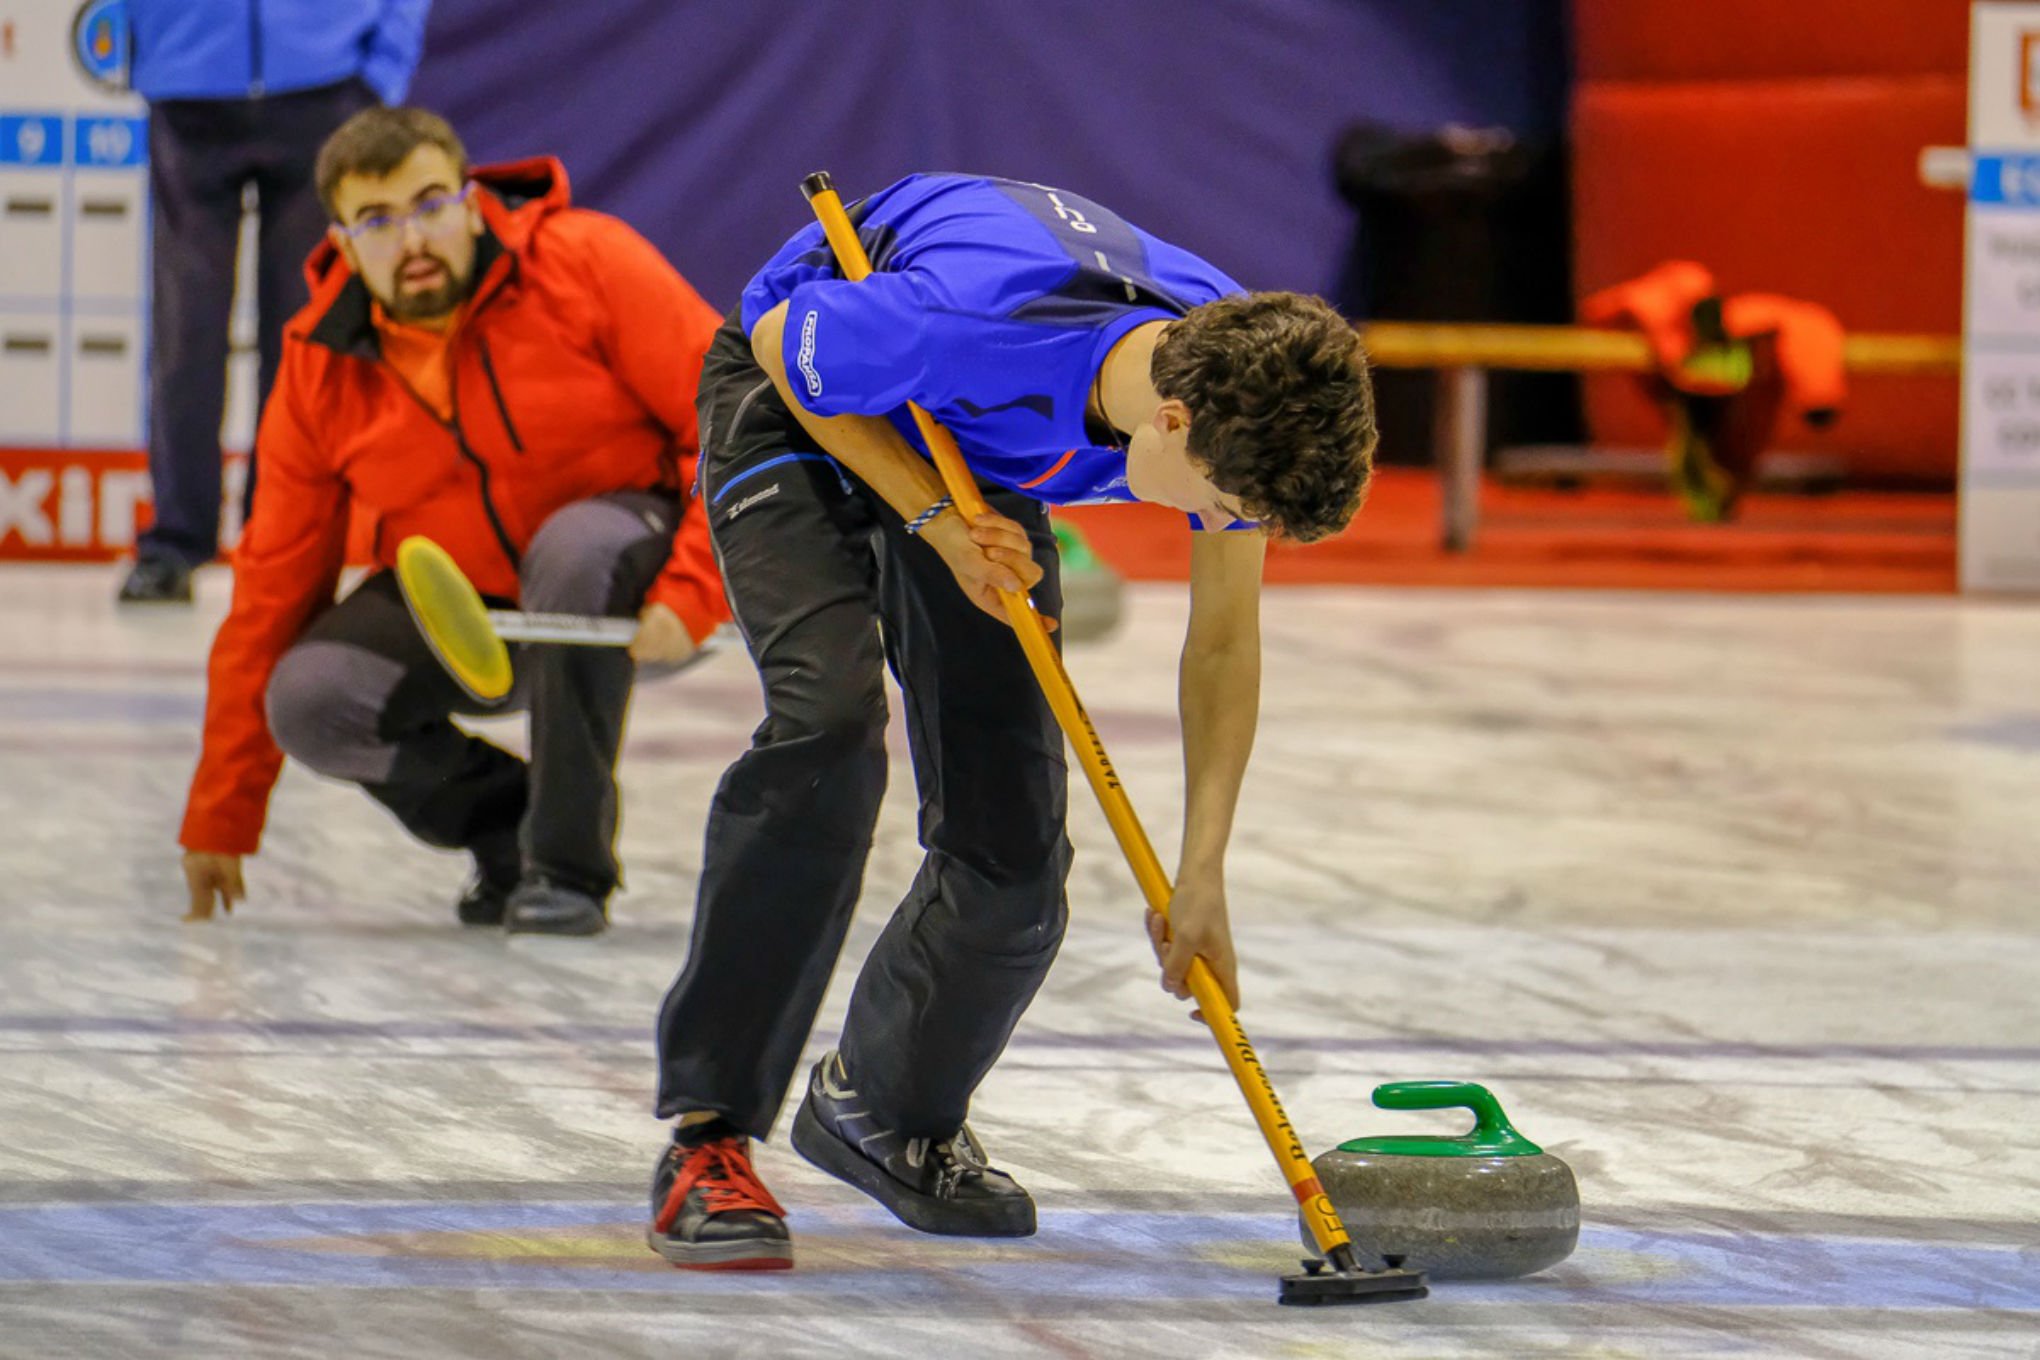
(575, 629)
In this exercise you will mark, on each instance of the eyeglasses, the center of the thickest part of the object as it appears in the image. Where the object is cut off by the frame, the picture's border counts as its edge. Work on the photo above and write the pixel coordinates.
(434, 215)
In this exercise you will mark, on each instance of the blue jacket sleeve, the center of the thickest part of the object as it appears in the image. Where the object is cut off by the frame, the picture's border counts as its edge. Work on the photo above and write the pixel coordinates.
(858, 348)
(394, 48)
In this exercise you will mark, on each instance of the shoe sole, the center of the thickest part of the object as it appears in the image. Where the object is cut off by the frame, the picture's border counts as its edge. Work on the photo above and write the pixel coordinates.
(590, 926)
(924, 1213)
(767, 1255)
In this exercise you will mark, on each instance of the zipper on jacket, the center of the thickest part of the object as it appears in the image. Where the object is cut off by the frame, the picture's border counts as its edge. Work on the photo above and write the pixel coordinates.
(452, 427)
(255, 85)
(496, 391)
(488, 500)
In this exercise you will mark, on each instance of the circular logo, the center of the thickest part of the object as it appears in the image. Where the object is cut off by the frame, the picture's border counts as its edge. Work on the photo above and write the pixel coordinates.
(99, 42)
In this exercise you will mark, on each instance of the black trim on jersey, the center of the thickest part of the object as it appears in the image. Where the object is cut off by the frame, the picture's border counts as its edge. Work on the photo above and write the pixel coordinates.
(1112, 276)
(881, 243)
(1041, 403)
(1091, 299)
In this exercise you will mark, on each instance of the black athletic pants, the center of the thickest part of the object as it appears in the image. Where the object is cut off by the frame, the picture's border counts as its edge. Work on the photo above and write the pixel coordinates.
(202, 152)
(828, 590)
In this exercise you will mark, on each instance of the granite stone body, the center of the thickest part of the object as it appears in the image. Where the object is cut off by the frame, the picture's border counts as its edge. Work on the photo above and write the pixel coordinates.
(1456, 1218)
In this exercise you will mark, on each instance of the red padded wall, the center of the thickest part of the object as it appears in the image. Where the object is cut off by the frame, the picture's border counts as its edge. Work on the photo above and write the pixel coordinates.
(1754, 39)
(1777, 142)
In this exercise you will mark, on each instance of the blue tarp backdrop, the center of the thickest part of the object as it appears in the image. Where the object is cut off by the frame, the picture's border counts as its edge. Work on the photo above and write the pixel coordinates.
(1209, 122)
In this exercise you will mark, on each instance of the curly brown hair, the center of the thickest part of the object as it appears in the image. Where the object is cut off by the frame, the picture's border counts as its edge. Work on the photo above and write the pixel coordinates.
(1281, 407)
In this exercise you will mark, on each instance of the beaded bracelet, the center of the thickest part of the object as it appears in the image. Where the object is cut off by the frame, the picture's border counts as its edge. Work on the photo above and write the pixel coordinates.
(928, 516)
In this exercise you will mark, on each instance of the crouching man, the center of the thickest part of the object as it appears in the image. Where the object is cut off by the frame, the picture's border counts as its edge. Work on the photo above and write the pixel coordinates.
(483, 364)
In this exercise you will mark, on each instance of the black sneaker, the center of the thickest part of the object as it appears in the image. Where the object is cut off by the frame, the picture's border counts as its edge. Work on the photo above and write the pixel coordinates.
(540, 906)
(156, 580)
(487, 894)
(483, 902)
(709, 1209)
(939, 1185)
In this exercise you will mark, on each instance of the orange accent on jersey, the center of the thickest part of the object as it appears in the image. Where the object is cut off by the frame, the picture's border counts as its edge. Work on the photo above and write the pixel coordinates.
(1060, 464)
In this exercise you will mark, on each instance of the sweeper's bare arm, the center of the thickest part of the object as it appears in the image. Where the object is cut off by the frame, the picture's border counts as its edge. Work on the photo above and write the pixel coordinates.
(986, 556)
(1220, 699)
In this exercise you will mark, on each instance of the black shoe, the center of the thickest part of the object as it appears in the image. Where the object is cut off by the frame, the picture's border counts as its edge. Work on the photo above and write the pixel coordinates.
(156, 580)
(482, 902)
(709, 1209)
(939, 1185)
(540, 906)
(487, 894)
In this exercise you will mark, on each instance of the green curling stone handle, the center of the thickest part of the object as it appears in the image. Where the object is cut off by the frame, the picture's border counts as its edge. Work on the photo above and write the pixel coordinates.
(1491, 1135)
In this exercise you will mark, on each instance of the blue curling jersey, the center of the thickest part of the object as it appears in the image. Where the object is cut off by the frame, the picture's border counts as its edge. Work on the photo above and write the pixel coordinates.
(991, 305)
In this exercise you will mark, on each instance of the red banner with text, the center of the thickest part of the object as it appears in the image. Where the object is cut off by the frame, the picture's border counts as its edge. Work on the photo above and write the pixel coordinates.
(87, 505)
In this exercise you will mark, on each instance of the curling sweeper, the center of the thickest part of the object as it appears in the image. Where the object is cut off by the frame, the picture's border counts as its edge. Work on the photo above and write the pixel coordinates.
(1340, 1276)
(469, 641)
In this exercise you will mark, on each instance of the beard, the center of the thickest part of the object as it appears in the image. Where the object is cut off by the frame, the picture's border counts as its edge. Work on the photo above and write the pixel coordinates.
(427, 304)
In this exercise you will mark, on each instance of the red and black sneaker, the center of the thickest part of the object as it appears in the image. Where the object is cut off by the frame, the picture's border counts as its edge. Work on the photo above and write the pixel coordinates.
(709, 1209)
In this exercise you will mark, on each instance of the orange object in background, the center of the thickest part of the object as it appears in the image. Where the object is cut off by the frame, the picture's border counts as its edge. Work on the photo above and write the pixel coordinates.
(1727, 371)
(1779, 143)
(1665, 305)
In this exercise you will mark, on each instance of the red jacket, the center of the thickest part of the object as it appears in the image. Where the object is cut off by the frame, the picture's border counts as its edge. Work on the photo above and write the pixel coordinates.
(573, 374)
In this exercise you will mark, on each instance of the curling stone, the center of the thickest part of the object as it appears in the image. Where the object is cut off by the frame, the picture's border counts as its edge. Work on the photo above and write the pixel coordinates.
(1486, 1205)
(1093, 595)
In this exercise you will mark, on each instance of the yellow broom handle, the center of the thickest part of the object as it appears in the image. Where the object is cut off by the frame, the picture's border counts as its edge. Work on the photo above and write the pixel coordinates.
(1076, 724)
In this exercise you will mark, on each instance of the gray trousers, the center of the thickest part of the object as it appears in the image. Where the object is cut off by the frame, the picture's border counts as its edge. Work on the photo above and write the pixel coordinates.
(361, 698)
